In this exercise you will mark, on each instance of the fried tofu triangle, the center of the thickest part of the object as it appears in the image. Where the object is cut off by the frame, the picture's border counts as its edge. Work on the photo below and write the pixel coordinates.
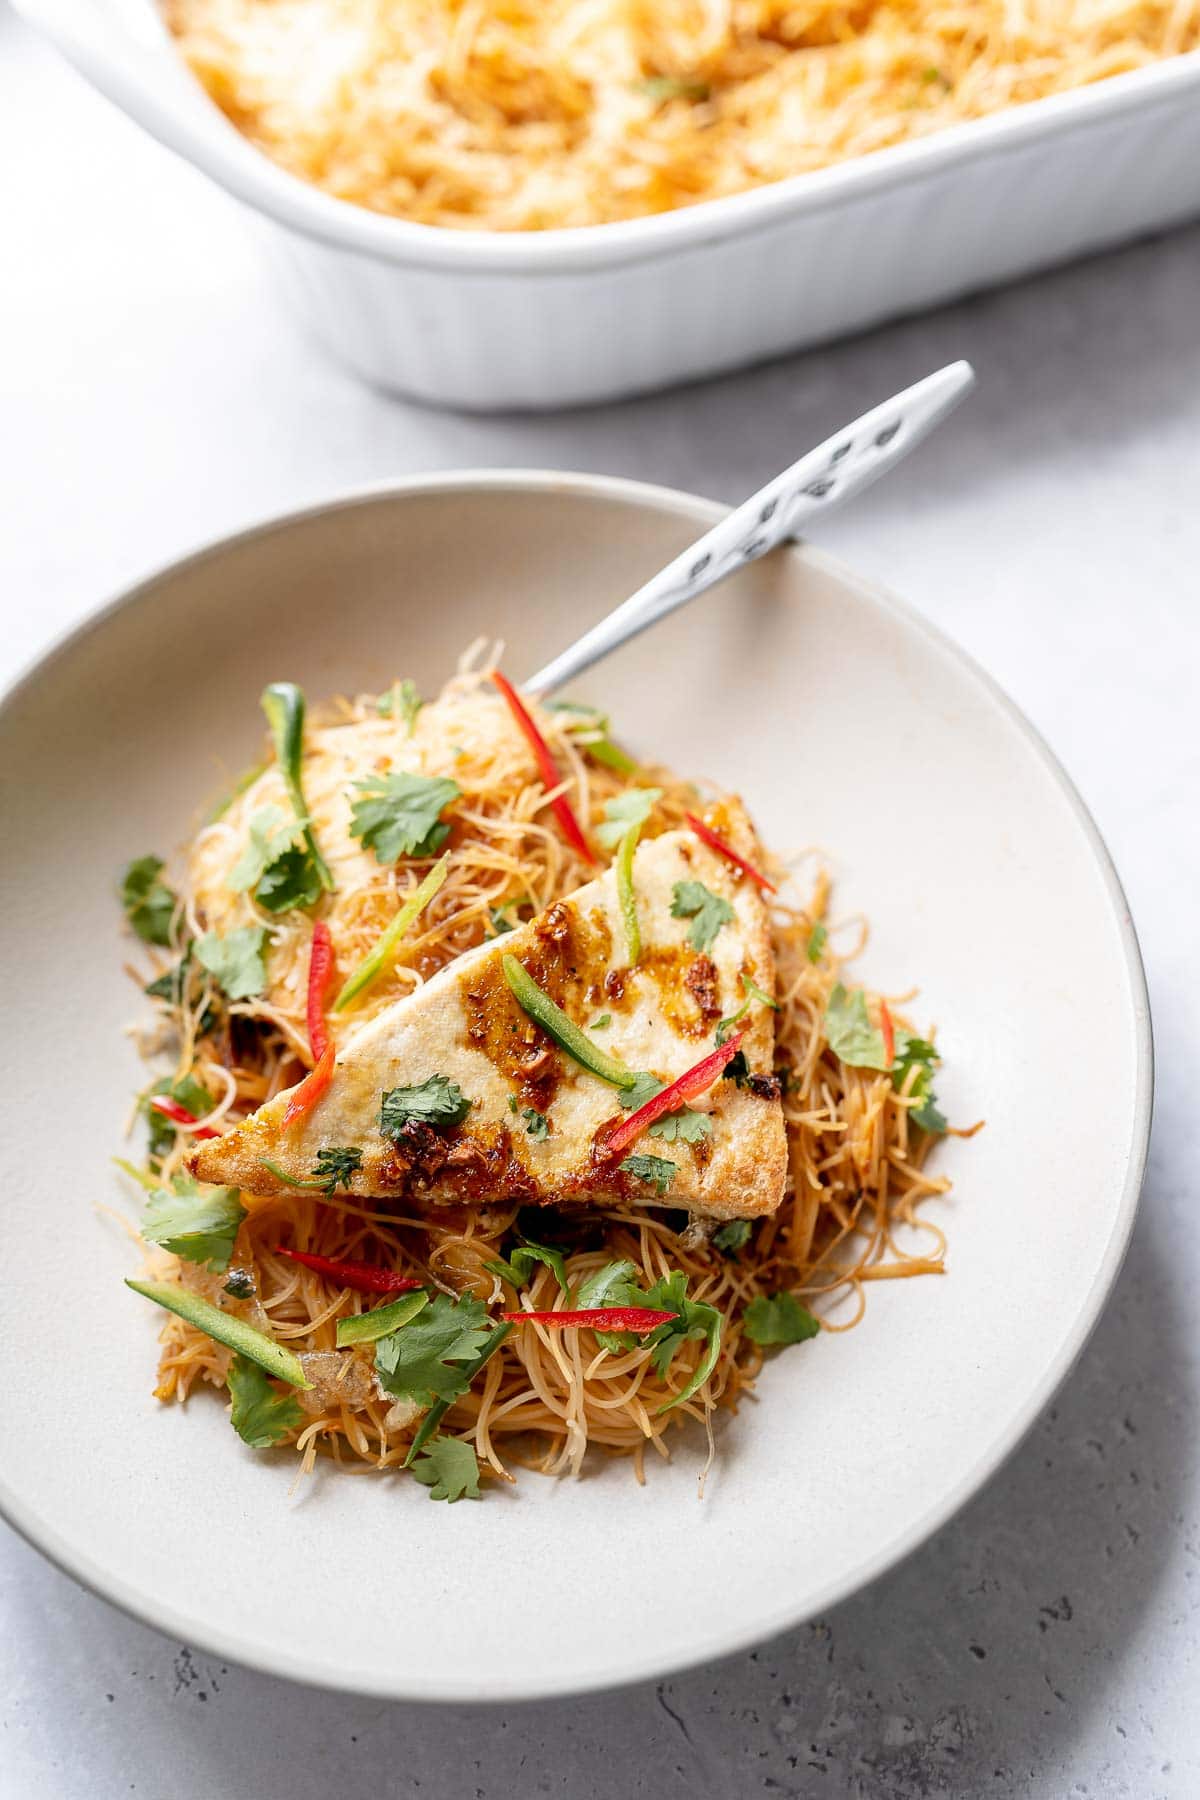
(455, 1095)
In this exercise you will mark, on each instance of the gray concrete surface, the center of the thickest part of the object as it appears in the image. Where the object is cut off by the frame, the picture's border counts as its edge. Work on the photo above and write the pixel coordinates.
(1046, 1643)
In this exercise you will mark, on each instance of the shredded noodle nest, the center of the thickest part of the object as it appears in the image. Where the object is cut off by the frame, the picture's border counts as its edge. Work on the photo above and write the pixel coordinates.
(856, 1182)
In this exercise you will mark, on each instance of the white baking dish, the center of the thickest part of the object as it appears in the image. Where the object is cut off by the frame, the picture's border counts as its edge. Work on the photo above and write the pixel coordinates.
(546, 319)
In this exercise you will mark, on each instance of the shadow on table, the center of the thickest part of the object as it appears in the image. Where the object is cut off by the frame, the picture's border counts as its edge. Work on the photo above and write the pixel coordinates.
(1097, 353)
(976, 1668)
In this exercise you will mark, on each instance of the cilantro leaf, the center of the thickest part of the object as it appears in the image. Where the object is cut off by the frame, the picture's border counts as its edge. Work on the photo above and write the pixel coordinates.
(399, 815)
(599, 1289)
(235, 961)
(337, 1166)
(170, 985)
(521, 1263)
(499, 920)
(816, 942)
(606, 1288)
(918, 1053)
(601, 1023)
(644, 1087)
(417, 1361)
(536, 1124)
(707, 911)
(197, 1223)
(850, 1033)
(271, 832)
(683, 1127)
(694, 1319)
(292, 880)
(176, 988)
(258, 1414)
(149, 903)
(402, 702)
(778, 1319)
(437, 1101)
(732, 1237)
(449, 1468)
(655, 1170)
(190, 1093)
(633, 807)
(737, 1070)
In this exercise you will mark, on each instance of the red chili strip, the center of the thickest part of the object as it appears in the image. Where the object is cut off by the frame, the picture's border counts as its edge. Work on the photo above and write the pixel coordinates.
(305, 1097)
(171, 1109)
(363, 1277)
(889, 1033)
(715, 842)
(599, 1318)
(320, 974)
(551, 774)
(694, 1082)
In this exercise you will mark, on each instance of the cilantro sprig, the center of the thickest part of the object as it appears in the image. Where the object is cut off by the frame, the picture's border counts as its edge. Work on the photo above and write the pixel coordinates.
(849, 1031)
(424, 1360)
(400, 815)
(259, 1415)
(694, 1320)
(402, 702)
(196, 1223)
(707, 911)
(523, 1260)
(732, 1237)
(236, 961)
(190, 1093)
(449, 1468)
(336, 1166)
(656, 1171)
(437, 1102)
(920, 1055)
(148, 902)
(778, 1319)
(277, 863)
(626, 810)
(683, 1127)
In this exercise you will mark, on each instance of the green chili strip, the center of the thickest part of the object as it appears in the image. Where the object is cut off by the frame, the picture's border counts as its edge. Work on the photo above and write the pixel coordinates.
(604, 751)
(594, 739)
(273, 1168)
(711, 1323)
(366, 1328)
(224, 1328)
(375, 962)
(283, 703)
(566, 1034)
(626, 896)
(440, 1408)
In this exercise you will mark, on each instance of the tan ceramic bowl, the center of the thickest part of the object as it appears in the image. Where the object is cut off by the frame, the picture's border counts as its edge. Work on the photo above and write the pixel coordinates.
(846, 722)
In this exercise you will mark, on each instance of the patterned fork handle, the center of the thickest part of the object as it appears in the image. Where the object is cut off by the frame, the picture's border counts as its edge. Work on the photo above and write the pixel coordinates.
(835, 471)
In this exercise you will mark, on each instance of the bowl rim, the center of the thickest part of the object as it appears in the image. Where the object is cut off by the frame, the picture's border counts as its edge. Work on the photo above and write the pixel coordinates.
(220, 1641)
(213, 144)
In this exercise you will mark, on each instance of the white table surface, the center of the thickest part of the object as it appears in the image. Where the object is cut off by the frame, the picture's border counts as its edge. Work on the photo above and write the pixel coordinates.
(1047, 1643)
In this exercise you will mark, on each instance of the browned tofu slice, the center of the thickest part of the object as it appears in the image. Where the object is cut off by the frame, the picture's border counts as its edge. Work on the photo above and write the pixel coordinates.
(465, 1025)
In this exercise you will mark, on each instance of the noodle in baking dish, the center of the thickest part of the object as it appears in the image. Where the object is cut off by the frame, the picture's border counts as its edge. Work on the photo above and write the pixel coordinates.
(236, 936)
(521, 115)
